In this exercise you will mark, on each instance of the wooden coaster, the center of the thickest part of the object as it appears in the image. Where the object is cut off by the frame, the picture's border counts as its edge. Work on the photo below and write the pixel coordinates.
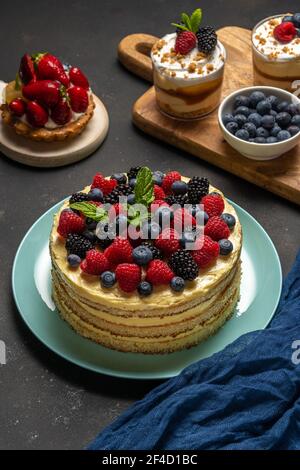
(203, 138)
(52, 154)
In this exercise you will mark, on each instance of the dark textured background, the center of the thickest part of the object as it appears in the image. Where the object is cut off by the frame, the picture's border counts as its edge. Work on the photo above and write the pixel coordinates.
(46, 402)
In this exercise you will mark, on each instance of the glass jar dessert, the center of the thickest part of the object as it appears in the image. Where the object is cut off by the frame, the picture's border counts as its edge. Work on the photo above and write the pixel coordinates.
(276, 51)
(188, 69)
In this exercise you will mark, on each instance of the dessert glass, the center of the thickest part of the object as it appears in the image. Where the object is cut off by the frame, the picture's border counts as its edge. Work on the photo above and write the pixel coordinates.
(274, 64)
(187, 87)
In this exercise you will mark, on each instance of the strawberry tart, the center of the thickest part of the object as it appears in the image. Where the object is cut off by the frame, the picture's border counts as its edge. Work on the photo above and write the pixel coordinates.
(146, 262)
(48, 101)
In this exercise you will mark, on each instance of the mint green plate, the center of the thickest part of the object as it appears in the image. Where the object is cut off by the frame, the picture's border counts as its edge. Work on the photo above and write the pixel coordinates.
(31, 282)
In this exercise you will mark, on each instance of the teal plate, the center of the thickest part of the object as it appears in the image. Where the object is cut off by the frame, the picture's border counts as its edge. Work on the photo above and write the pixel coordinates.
(31, 282)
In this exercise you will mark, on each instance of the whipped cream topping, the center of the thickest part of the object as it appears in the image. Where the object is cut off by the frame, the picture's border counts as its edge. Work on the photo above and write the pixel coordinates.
(264, 41)
(193, 65)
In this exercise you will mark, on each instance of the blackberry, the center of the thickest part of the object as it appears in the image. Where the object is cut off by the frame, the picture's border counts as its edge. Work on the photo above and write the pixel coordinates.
(180, 199)
(133, 172)
(198, 187)
(78, 197)
(125, 189)
(78, 245)
(207, 39)
(182, 264)
(109, 230)
(156, 253)
(113, 197)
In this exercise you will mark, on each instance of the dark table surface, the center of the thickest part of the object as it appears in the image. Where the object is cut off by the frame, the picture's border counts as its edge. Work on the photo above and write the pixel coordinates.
(45, 402)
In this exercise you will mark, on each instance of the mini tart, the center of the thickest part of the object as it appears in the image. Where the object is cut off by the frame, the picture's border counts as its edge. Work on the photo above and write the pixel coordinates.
(67, 132)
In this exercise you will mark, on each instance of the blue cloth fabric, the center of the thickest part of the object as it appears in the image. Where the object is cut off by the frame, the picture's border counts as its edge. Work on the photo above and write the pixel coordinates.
(244, 397)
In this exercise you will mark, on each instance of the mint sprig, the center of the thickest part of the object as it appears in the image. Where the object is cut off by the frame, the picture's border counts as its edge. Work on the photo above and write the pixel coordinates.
(144, 188)
(98, 214)
(190, 23)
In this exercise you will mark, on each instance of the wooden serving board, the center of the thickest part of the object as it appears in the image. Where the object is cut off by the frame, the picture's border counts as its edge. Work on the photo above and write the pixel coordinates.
(203, 138)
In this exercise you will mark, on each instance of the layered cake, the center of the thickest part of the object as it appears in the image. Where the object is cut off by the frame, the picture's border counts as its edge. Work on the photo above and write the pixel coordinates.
(153, 281)
(48, 101)
(276, 51)
(188, 69)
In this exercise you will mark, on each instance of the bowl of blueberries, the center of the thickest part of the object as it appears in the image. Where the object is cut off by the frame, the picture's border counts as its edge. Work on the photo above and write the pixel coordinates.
(261, 122)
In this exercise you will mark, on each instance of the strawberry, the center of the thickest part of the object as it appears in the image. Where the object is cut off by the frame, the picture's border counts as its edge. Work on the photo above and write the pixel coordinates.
(61, 114)
(208, 252)
(216, 228)
(17, 107)
(78, 78)
(169, 180)
(79, 99)
(46, 92)
(285, 32)
(159, 272)
(158, 192)
(120, 251)
(105, 185)
(168, 241)
(36, 115)
(50, 67)
(185, 42)
(213, 204)
(95, 263)
(70, 222)
(26, 70)
(128, 276)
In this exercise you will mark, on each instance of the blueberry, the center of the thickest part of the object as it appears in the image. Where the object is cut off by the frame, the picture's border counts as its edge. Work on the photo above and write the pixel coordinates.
(145, 288)
(260, 140)
(296, 120)
(157, 179)
(262, 132)
(283, 119)
(240, 119)
(96, 195)
(273, 113)
(282, 106)
(241, 100)
(229, 219)
(232, 127)
(251, 139)
(200, 215)
(228, 118)
(150, 230)
(283, 135)
(91, 224)
(130, 199)
(242, 134)
(263, 107)
(132, 182)
(293, 130)
(268, 121)
(287, 19)
(292, 109)
(177, 284)
(255, 119)
(142, 255)
(163, 215)
(89, 235)
(159, 174)
(296, 20)
(242, 110)
(226, 247)
(121, 178)
(271, 140)
(273, 100)
(187, 238)
(108, 279)
(256, 97)
(74, 260)
(179, 187)
(274, 131)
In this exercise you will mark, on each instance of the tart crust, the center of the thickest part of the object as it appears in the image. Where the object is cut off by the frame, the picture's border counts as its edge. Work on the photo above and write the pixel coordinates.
(67, 132)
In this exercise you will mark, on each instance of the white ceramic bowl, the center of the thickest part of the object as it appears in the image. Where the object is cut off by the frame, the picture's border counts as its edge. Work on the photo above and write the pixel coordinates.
(252, 149)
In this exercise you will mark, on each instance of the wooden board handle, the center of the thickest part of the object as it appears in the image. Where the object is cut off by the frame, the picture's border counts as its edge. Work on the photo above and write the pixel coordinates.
(134, 53)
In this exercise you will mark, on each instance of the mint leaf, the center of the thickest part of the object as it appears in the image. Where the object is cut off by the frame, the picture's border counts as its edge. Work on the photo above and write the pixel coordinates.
(180, 26)
(90, 210)
(144, 188)
(195, 19)
(18, 82)
(186, 21)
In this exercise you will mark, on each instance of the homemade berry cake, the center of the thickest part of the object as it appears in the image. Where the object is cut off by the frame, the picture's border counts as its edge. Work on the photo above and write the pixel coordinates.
(132, 282)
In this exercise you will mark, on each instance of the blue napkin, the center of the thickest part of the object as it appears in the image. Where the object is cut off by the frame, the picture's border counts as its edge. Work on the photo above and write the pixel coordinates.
(244, 397)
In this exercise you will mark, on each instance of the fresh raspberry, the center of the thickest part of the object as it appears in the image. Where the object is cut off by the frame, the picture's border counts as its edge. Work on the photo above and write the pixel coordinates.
(169, 180)
(128, 276)
(159, 192)
(70, 222)
(120, 251)
(105, 185)
(213, 204)
(285, 32)
(115, 210)
(208, 252)
(156, 204)
(216, 228)
(95, 263)
(182, 218)
(185, 42)
(168, 241)
(159, 272)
